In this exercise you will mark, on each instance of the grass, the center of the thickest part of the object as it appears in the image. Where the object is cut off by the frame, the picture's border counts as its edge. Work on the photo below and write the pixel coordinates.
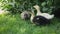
(13, 24)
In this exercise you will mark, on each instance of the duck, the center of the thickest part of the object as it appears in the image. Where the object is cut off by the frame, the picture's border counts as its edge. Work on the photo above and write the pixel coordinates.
(38, 19)
(25, 15)
(46, 15)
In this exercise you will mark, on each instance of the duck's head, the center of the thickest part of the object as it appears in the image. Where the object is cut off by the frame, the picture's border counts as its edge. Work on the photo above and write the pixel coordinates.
(36, 7)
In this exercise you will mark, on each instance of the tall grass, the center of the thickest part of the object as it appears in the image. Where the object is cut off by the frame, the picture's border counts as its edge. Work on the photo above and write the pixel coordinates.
(13, 24)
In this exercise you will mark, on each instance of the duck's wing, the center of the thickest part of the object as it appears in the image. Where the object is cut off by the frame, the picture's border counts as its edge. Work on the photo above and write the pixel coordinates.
(48, 16)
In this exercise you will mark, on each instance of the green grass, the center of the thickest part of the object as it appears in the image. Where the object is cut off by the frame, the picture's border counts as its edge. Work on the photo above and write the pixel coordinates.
(13, 24)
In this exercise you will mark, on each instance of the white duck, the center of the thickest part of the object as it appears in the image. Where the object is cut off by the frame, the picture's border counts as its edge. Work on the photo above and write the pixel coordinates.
(46, 15)
(38, 20)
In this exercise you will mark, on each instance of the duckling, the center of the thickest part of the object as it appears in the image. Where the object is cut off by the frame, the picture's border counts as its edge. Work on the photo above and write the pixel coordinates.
(38, 20)
(46, 15)
(25, 15)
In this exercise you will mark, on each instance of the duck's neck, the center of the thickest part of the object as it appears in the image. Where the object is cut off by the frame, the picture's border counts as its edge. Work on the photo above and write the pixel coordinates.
(32, 16)
(38, 11)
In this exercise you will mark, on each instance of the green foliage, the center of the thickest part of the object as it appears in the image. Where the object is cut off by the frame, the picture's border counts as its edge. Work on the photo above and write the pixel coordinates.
(47, 6)
(16, 6)
(57, 3)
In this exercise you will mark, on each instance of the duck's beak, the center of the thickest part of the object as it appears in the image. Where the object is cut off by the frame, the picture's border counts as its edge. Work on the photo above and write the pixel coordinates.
(36, 7)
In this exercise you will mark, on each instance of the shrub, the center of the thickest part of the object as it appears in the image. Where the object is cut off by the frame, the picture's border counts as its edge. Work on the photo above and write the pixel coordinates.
(17, 6)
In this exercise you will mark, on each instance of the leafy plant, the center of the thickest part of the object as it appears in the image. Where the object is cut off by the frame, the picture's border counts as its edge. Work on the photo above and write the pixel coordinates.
(16, 6)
